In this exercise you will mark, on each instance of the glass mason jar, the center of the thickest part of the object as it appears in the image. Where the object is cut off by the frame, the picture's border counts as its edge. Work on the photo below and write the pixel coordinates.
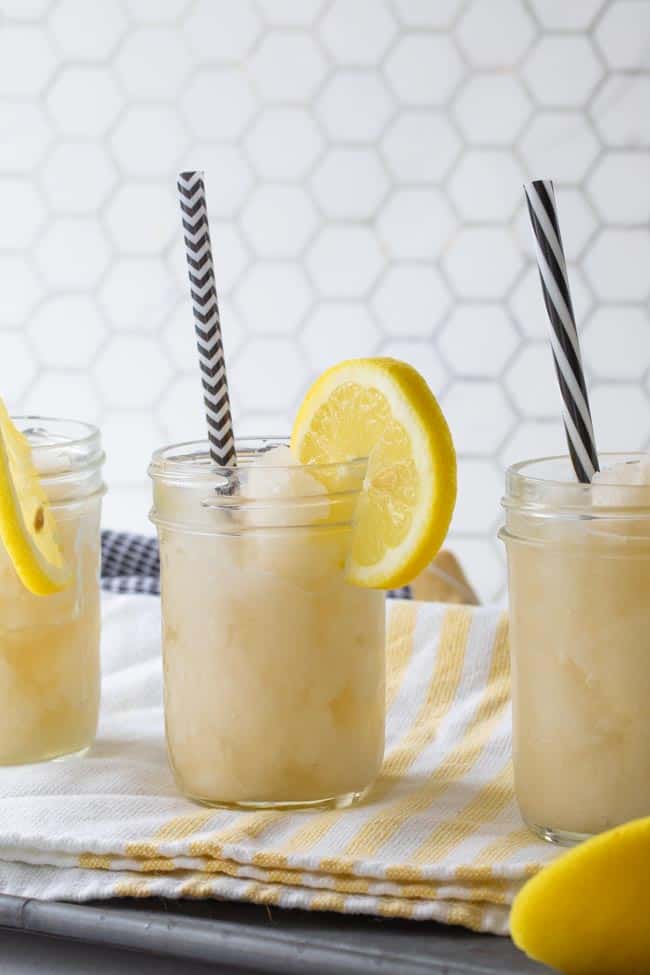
(579, 589)
(49, 645)
(273, 662)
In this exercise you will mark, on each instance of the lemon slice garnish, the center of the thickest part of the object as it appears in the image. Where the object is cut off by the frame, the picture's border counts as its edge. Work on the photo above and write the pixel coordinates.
(587, 913)
(383, 409)
(27, 525)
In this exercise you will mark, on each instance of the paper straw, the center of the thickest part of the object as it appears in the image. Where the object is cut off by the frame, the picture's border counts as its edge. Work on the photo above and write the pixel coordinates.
(206, 319)
(540, 197)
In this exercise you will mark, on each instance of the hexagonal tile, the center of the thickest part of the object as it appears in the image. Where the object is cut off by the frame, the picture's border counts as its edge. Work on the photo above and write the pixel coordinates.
(344, 262)
(149, 140)
(562, 71)
(338, 330)
(532, 383)
(155, 11)
(138, 293)
(27, 60)
(268, 375)
(621, 417)
(290, 13)
(491, 109)
(21, 289)
(67, 330)
(228, 175)
(132, 371)
(479, 415)
(486, 185)
(69, 394)
(481, 33)
(560, 15)
(484, 560)
(424, 69)
(527, 303)
(129, 438)
(143, 217)
(284, 143)
(274, 298)
(278, 221)
(480, 489)
(84, 101)
(73, 252)
(561, 143)
(222, 31)
(619, 111)
(153, 62)
(218, 104)
(620, 187)
(535, 438)
(416, 223)
(354, 106)
(616, 342)
(25, 134)
(287, 67)
(77, 177)
(422, 356)
(17, 367)
(86, 31)
(478, 340)
(482, 262)
(361, 36)
(617, 264)
(349, 184)
(22, 212)
(622, 34)
(411, 300)
(230, 257)
(423, 13)
(420, 146)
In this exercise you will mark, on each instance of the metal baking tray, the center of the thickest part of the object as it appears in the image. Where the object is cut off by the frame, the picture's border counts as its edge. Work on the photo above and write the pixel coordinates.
(246, 938)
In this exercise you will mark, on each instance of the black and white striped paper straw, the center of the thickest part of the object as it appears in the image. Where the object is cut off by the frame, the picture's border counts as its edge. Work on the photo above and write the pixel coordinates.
(540, 197)
(207, 325)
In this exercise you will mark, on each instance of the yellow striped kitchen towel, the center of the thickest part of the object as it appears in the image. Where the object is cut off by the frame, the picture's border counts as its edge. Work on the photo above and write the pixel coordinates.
(439, 836)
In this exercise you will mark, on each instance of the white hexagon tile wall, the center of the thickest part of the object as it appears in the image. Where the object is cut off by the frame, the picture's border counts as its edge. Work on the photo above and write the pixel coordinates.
(364, 163)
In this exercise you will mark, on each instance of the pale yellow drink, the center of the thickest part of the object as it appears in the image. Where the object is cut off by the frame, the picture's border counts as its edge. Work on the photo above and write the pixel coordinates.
(49, 645)
(579, 593)
(273, 662)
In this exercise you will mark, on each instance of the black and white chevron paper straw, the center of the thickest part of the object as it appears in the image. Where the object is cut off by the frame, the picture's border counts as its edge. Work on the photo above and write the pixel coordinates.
(207, 325)
(540, 197)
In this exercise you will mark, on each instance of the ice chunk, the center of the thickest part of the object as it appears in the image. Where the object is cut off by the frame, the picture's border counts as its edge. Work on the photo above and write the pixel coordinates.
(626, 484)
(275, 475)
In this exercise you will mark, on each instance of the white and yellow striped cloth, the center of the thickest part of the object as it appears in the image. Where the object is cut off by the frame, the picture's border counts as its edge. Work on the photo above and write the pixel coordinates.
(439, 838)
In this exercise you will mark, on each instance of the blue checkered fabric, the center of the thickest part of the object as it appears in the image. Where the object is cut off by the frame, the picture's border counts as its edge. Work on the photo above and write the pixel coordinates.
(131, 563)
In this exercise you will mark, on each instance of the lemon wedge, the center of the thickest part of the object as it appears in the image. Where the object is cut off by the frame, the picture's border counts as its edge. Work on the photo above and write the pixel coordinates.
(383, 409)
(587, 913)
(27, 525)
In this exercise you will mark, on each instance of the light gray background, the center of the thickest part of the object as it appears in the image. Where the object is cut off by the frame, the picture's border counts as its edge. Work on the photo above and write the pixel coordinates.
(364, 163)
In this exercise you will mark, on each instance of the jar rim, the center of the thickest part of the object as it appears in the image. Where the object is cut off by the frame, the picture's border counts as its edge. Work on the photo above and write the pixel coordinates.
(86, 432)
(550, 483)
(190, 460)
(67, 454)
